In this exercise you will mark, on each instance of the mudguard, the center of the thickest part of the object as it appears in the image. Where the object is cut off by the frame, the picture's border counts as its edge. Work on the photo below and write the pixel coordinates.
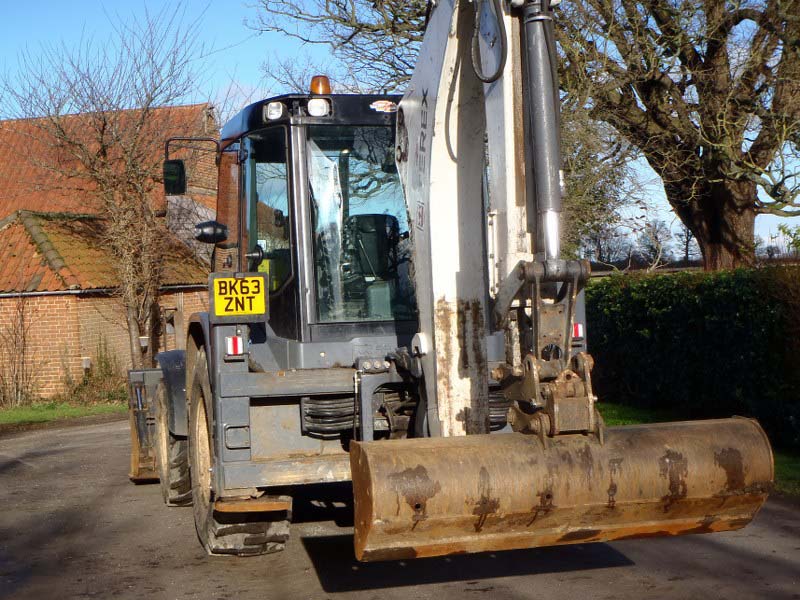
(173, 367)
(199, 335)
(200, 331)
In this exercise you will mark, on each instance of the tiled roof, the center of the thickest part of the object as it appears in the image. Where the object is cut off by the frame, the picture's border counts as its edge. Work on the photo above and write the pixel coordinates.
(61, 251)
(33, 173)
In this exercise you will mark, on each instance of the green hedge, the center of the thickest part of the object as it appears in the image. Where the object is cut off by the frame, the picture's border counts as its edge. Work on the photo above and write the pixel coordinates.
(702, 344)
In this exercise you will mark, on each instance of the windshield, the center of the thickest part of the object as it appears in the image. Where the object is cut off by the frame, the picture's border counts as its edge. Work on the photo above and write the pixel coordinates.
(361, 246)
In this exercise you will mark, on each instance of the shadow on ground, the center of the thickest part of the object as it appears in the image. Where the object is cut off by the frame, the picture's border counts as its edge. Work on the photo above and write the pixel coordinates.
(339, 571)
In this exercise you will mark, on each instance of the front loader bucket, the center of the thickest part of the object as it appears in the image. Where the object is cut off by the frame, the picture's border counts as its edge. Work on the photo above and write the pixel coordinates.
(437, 496)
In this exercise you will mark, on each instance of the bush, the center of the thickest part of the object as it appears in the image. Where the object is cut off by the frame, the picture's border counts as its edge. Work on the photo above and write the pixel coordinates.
(104, 383)
(706, 344)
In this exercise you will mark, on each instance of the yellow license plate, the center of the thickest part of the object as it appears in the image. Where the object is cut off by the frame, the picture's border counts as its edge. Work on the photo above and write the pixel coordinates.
(234, 297)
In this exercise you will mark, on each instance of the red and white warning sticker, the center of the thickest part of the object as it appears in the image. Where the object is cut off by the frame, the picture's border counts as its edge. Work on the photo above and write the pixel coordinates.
(384, 106)
(234, 345)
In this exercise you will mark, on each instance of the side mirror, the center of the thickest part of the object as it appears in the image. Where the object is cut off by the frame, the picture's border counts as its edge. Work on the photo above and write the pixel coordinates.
(174, 177)
(210, 232)
(280, 219)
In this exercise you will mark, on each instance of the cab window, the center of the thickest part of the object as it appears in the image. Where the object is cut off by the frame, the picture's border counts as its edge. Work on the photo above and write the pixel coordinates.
(361, 242)
(266, 206)
(226, 254)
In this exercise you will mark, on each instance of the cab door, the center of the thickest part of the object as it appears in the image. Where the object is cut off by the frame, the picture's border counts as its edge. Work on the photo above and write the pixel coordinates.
(267, 218)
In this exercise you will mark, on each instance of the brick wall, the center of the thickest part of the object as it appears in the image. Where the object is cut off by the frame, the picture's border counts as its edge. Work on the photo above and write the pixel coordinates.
(63, 329)
(102, 327)
(52, 340)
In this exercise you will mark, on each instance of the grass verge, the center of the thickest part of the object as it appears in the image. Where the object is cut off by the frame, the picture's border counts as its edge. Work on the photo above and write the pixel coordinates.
(787, 473)
(52, 411)
(620, 414)
(787, 464)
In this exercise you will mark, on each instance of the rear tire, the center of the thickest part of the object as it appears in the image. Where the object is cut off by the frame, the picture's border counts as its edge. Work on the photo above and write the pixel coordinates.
(242, 534)
(172, 457)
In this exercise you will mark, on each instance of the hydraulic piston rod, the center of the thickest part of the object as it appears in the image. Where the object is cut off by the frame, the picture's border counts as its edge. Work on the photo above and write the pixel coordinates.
(429, 497)
(543, 144)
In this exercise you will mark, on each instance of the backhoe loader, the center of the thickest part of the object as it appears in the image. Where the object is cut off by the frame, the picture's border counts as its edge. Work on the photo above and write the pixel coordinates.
(389, 305)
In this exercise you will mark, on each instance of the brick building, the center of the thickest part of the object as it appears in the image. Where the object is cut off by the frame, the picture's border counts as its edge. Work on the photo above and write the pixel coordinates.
(58, 285)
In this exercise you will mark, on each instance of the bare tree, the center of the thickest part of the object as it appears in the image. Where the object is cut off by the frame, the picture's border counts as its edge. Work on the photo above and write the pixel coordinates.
(375, 46)
(708, 91)
(93, 111)
(689, 250)
(790, 238)
(608, 244)
(18, 365)
(653, 246)
(376, 42)
(599, 180)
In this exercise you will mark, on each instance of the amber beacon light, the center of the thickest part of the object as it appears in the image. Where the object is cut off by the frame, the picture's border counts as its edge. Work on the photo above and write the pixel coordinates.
(320, 84)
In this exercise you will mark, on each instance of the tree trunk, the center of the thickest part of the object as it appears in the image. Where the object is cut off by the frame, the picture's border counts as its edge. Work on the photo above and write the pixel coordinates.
(153, 332)
(133, 335)
(722, 219)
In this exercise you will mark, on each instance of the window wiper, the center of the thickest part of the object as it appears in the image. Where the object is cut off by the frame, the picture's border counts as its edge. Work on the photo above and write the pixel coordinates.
(369, 262)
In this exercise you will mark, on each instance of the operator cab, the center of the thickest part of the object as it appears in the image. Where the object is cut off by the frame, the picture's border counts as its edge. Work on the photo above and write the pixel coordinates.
(310, 195)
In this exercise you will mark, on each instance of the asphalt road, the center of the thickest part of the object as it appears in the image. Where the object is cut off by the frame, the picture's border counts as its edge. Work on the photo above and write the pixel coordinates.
(72, 526)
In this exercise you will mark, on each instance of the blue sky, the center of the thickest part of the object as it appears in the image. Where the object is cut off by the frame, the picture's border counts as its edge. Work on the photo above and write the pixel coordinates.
(236, 53)
(235, 56)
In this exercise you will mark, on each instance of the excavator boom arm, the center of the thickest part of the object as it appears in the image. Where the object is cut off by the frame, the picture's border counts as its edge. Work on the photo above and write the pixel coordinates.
(479, 158)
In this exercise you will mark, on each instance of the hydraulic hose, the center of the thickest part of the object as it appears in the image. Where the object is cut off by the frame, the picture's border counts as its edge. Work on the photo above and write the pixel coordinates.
(476, 53)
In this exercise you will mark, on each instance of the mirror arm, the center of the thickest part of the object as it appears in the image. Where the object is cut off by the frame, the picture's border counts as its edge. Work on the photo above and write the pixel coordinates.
(257, 254)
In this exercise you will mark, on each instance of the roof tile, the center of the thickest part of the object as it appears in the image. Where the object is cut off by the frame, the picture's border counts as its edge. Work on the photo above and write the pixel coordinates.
(33, 172)
(49, 240)
(55, 252)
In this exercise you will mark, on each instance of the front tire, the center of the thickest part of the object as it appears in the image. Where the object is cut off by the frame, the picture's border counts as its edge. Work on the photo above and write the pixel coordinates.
(242, 534)
(172, 457)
